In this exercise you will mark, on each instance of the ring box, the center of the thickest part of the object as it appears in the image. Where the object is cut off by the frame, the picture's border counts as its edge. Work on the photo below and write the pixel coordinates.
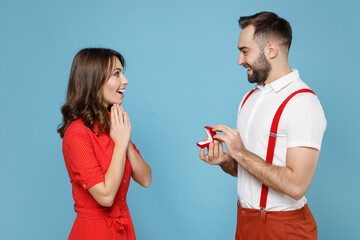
(210, 134)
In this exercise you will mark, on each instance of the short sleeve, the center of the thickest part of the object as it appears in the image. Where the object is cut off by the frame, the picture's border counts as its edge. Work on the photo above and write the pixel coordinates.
(305, 122)
(82, 162)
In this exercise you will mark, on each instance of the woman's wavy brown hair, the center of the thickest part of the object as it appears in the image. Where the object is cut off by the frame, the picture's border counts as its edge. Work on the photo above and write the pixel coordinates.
(90, 69)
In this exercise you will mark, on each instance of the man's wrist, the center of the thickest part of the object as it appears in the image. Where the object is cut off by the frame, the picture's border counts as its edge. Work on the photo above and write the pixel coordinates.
(227, 162)
(239, 156)
(229, 165)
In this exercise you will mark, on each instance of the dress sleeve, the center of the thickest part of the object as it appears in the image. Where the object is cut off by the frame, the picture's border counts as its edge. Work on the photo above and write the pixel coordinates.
(82, 161)
(136, 149)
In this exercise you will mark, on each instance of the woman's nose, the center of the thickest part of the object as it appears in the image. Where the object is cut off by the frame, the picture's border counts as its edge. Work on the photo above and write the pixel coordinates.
(125, 81)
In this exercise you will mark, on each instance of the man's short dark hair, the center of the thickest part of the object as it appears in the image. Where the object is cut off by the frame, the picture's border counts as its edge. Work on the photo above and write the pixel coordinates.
(268, 25)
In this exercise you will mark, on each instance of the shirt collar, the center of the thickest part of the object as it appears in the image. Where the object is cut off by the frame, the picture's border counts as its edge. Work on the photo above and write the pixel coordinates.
(285, 80)
(282, 82)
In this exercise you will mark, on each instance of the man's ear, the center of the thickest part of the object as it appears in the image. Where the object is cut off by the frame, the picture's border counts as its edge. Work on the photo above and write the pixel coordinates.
(271, 50)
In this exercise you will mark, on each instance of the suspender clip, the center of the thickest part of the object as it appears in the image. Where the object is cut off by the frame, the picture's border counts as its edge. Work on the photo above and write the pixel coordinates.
(261, 211)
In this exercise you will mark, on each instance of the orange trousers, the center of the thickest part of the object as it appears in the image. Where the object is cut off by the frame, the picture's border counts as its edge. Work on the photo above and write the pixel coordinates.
(297, 224)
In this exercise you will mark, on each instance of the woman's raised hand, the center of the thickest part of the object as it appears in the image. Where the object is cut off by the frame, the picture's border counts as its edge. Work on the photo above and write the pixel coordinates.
(120, 126)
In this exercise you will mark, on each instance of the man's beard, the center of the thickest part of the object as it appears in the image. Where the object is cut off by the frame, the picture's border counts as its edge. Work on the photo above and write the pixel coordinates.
(260, 70)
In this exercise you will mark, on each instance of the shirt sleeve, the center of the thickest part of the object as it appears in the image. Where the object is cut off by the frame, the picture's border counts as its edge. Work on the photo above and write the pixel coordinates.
(305, 122)
(82, 161)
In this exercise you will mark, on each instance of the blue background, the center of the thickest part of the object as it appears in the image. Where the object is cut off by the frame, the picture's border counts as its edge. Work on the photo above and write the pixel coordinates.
(183, 73)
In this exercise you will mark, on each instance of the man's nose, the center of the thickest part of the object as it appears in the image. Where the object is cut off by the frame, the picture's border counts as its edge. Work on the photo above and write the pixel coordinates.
(241, 60)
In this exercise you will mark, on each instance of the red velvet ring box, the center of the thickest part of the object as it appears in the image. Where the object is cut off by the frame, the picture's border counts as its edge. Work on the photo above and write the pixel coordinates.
(210, 134)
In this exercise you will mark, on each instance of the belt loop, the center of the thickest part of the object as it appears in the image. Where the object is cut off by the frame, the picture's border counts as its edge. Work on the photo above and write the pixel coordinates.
(305, 211)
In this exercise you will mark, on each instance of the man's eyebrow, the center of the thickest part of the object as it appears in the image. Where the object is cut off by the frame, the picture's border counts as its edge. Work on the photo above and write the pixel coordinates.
(242, 48)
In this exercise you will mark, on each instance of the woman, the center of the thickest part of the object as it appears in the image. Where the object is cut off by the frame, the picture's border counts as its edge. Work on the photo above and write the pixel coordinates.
(98, 153)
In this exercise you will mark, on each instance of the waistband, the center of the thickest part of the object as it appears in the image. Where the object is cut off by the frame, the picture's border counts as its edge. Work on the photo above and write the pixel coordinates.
(116, 216)
(101, 212)
(301, 213)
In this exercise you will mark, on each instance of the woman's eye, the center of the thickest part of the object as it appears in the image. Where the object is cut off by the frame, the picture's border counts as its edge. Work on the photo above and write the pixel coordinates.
(117, 74)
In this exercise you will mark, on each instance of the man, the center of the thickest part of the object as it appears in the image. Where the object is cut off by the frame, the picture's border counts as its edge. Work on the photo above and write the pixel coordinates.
(271, 185)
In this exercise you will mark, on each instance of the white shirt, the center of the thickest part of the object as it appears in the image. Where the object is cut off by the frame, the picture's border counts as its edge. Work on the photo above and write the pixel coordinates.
(302, 123)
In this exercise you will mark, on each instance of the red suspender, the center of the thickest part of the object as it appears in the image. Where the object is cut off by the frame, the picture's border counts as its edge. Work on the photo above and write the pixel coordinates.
(272, 139)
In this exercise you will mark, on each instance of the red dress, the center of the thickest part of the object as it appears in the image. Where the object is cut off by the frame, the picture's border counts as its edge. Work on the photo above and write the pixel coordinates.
(87, 158)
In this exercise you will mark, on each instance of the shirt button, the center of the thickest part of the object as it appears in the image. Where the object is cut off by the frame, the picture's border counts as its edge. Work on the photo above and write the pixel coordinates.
(242, 212)
(84, 185)
(124, 180)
